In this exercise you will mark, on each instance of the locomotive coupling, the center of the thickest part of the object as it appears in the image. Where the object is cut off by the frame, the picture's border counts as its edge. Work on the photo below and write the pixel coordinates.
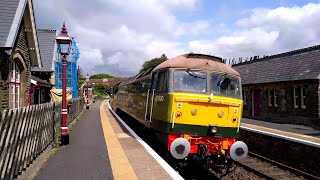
(180, 148)
(238, 151)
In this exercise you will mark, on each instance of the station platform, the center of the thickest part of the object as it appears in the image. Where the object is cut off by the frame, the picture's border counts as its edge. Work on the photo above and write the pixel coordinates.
(101, 148)
(299, 132)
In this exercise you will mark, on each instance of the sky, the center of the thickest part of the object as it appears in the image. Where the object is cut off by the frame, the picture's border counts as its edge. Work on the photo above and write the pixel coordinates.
(118, 36)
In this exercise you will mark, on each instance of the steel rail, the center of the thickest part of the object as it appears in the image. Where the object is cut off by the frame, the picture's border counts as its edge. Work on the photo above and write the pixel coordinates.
(277, 164)
(255, 171)
(285, 167)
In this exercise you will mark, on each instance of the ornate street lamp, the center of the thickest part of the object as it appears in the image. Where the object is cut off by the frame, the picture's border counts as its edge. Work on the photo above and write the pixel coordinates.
(87, 81)
(64, 46)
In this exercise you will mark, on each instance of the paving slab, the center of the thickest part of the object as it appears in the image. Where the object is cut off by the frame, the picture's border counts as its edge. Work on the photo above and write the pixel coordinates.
(293, 128)
(144, 165)
(86, 157)
(295, 132)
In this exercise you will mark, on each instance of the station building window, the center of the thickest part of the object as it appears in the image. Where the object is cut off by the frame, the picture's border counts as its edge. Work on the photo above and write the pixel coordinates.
(295, 97)
(299, 97)
(14, 85)
(275, 97)
(269, 97)
(303, 98)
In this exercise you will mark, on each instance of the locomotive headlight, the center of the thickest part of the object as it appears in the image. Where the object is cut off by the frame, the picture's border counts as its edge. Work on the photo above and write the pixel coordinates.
(213, 129)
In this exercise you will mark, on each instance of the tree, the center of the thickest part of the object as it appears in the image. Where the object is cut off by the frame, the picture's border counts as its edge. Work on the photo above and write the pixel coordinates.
(101, 76)
(101, 89)
(153, 62)
(81, 79)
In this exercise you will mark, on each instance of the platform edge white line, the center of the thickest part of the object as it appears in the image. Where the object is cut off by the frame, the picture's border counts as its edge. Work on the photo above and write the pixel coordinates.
(161, 161)
(309, 143)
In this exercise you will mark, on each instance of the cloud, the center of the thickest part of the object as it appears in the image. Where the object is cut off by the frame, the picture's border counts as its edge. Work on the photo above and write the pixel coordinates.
(116, 37)
(240, 43)
(194, 28)
(267, 31)
(282, 16)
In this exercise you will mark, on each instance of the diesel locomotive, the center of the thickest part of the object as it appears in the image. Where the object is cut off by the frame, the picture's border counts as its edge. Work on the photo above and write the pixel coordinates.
(193, 103)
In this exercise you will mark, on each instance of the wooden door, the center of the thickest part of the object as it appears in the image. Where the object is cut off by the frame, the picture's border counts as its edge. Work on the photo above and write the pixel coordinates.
(257, 102)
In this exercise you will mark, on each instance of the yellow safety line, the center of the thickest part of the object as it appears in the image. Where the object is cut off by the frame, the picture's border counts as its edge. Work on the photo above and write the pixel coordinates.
(121, 168)
(280, 131)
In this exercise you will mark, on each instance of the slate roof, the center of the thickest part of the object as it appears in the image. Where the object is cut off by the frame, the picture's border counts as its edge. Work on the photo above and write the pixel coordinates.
(46, 40)
(8, 10)
(11, 15)
(302, 64)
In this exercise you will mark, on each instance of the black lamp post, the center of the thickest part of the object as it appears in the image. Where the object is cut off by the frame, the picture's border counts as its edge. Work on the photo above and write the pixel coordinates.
(64, 46)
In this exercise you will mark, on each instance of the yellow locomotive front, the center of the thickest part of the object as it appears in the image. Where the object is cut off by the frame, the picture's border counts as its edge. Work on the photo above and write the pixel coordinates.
(204, 109)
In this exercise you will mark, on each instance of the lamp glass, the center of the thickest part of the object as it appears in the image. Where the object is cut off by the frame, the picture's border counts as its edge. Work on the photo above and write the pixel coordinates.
(64, 48)
(64, 45)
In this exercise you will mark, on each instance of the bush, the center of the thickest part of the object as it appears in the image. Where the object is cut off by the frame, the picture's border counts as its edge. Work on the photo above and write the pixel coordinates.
(101, 90)
(101, 76)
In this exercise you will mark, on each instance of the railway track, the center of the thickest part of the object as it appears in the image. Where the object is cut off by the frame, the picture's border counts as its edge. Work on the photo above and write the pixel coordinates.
(269, 169)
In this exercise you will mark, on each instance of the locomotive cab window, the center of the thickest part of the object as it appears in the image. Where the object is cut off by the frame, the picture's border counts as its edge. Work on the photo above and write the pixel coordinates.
(162, 82)
(190, 81)
(225, 85)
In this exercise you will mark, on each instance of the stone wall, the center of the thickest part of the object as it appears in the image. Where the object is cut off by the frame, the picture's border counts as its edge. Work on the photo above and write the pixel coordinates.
(20, 46)
(285, 111)
(247, 99)
(300, 156)
(1, 80)
(4, 70)
(319, 100)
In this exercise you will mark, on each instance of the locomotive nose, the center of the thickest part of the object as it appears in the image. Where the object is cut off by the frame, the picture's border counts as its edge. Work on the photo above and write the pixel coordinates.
(180, 148)
(238, 151)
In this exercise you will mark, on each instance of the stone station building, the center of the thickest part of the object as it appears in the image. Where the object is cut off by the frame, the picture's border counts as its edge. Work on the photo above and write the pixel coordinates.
(19, 51)
(283, 88)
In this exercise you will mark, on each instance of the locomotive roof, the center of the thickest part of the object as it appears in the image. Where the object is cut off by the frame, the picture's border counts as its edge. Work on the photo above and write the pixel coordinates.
(198, 61)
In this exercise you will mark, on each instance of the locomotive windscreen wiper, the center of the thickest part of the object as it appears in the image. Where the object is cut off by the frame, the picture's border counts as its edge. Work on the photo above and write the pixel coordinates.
(191, 73)
(225, 82)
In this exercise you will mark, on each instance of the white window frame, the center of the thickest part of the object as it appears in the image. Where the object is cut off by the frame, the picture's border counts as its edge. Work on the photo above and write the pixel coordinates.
(269, 97)
(17, 96)
(14, 84)
(12, 72)
(12, 96)
(295, 98)
(275, 98)
(303, 106)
